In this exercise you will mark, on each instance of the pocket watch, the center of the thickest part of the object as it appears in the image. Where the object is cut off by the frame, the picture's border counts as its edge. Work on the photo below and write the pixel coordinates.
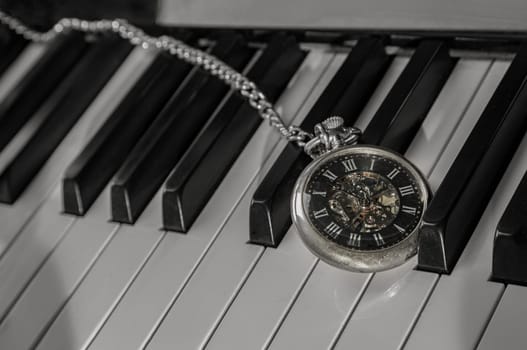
(357, 207)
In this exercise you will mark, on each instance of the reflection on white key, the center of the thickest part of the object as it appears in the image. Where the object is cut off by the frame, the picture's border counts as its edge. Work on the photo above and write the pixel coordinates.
(462, 302)
(395, 296)
(507, 326)
(74, 254)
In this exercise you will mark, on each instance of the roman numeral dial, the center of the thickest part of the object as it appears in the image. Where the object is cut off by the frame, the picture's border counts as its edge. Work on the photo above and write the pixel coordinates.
(364, 201)
(349, 165)
(330, 175)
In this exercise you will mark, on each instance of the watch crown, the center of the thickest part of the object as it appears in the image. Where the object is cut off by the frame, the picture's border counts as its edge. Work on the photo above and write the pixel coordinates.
(333, 123)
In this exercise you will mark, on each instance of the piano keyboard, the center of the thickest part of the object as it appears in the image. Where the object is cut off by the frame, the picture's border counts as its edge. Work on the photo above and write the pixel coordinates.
(106, 150)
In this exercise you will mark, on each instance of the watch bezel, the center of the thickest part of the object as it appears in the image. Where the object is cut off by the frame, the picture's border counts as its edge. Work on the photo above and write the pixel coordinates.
(341, 256)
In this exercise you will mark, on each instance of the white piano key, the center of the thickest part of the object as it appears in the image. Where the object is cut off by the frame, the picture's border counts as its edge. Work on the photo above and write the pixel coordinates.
(34, 244)
(488, 86)
(461, 304)
(177, 254)
(15, 216)
(196, 311)
(54, 283)
(132, 321)
(285, 269)
(208, 293)
(396, 67)
(106, 280)
(388, 305)
(266, 296)
(102, 288)
(448, 111)
(320, 309)
(507, 326)
(393, 297)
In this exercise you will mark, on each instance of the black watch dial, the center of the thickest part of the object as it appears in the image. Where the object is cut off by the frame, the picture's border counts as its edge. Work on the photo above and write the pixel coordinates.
(364, 201)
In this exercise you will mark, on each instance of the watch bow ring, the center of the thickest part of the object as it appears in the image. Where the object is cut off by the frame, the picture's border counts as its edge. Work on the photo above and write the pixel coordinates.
(357, 207)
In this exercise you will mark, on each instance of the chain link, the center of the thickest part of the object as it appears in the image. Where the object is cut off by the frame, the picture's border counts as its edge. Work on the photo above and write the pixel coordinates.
(196, 57)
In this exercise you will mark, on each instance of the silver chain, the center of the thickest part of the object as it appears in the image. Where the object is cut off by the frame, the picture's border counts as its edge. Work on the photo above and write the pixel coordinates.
(196, 57)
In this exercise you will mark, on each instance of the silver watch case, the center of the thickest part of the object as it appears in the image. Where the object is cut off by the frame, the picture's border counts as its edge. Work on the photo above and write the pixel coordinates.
(341, 256)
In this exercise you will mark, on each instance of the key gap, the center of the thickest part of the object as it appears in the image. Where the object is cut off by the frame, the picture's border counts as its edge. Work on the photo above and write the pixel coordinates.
(85, 273)
(491, 314)
(420, 311)
(123, 292)
(290, 305)
(232, 299)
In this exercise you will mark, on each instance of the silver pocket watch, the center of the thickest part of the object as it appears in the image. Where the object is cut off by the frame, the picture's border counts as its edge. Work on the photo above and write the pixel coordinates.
(357, 207)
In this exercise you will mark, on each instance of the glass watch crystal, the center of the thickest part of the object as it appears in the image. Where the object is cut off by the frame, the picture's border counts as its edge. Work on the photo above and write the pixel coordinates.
(360, 207)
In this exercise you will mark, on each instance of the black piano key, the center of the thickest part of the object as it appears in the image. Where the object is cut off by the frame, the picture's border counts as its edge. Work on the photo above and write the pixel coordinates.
(509, 254)
(170, 134)
(462, 196)
(32, 90)
(346, 95)
(89, 173)
(206, 163)
(10, 47)
(61, 111)
(409, 100)
(272, 198)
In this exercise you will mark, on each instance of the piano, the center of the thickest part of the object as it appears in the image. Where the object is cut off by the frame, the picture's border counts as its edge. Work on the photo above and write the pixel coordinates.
(145, 206)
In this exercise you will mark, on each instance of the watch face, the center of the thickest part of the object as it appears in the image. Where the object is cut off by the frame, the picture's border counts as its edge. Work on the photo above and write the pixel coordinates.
(360, 208)
(364, 201)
